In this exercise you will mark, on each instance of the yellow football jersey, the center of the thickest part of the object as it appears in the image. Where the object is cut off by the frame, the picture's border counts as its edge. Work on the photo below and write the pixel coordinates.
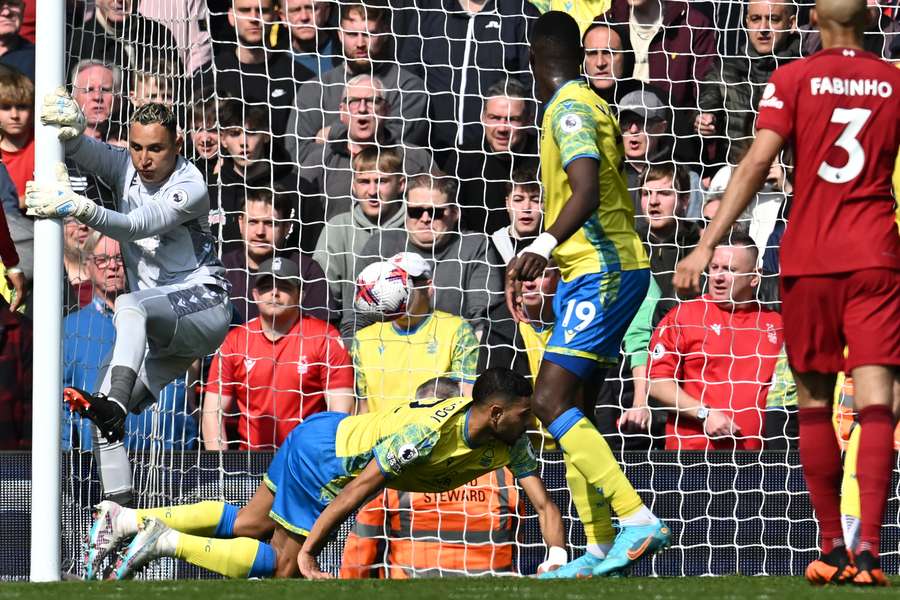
(535, 341)
(583, 11)
(390, 363)
(579, 124)
(423, 446)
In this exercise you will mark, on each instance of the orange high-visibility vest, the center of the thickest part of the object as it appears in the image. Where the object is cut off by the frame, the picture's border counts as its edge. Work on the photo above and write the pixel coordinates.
(466, 531)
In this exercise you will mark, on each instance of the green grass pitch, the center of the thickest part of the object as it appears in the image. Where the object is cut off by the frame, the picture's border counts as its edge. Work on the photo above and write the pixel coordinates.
(697, 588)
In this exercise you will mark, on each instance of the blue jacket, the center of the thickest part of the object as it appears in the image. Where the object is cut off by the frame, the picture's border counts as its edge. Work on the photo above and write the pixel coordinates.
(89, 335)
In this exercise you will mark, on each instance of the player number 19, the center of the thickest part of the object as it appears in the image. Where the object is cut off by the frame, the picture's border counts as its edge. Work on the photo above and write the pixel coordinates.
(583, 311)
(854, 119)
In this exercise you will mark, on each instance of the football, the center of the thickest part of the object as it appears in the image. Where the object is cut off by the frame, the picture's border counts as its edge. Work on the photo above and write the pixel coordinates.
(383, 289)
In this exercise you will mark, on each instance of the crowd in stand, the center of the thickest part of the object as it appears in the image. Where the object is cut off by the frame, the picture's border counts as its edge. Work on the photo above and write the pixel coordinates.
(336, 134)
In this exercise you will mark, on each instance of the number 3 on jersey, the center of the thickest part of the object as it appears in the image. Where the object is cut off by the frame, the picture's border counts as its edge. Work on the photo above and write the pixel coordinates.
(854, 119)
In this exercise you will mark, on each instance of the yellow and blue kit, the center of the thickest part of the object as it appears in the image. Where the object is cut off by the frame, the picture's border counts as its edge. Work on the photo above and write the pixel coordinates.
(421, 446)
(605, 271)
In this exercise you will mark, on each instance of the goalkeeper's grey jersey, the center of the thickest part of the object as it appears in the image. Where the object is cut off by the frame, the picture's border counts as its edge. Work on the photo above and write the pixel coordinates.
(163, 229)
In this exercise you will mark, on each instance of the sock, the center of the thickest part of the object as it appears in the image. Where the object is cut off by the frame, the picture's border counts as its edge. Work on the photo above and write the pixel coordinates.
(876, 444)
(598, 550)
(591, 455)
(113, 467)
(210, 519)
(821, 461)
(850, 492)
(591, 507)
(235, 558)
(642, 516)
(121, 382)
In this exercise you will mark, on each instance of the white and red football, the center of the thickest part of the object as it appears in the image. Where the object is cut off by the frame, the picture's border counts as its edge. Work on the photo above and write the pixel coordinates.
(383, 289)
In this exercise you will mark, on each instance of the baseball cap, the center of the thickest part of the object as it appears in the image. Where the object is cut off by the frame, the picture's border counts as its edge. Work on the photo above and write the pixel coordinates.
(643, 103)
(279, 268)
(719, 182)
(412, 263)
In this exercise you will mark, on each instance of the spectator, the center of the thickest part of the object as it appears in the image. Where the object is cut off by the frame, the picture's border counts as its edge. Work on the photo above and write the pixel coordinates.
(203, 140)
(667, 235)
(155, 80)
(524, 210)
(116, 34)
(264, 225)
(17, 129)
(392, 359)
(520, 345)
(462, 277)
(365, 48)
(882, 36)
(364, 111)
(674, 44)
(15, 51)
(712, 359)
(609, 61)
(15, 373)
(461, 48)
(276, 371)
(94, 86)
(312, 43)
(378, 186)
(89, 335)
(485, 167)
(733, 86)
(403, 535)
(257, 74)
(187, 22)
(253, 160)
(79, 286)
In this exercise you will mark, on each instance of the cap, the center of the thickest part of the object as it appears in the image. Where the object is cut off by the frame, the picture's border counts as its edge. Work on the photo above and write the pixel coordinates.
(412, 263)
(279, 268)
(719, 182)
(644, 103)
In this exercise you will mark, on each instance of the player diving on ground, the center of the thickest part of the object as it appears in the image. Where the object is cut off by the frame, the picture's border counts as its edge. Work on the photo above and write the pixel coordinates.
(327, 468)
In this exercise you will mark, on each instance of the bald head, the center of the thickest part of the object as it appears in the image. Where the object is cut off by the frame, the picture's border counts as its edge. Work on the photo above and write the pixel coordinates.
(841, 14)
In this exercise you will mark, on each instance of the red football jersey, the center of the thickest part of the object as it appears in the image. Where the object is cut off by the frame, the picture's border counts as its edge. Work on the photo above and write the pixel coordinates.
(278, 384)
(722, 357)
(840, 109)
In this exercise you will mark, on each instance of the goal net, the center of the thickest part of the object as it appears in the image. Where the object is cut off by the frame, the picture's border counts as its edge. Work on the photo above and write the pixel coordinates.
(340, 134)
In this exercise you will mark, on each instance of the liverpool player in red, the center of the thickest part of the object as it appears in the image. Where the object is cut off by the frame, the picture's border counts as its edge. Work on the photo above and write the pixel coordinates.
(840, 265)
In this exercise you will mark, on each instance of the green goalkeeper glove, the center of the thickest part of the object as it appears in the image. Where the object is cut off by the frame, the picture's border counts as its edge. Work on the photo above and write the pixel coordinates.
(56, 199)
(62, 111)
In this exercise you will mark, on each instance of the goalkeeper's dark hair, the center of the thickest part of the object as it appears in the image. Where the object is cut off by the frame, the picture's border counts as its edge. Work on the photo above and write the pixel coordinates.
(440, 388)
(500, 382)
(156, 113)
(556, 38)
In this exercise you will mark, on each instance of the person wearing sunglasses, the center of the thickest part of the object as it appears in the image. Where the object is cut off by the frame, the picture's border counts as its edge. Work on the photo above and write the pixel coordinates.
(462, 276)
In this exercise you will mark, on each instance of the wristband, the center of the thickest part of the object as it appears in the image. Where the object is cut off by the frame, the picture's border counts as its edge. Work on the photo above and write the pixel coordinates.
(557, 556)
(14, 271)
(543, 245)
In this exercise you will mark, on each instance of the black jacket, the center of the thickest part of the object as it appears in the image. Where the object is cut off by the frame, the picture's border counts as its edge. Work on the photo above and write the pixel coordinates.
(733, 87)
(432, 40)
(483, 176)
(227, 195)
(664, 254)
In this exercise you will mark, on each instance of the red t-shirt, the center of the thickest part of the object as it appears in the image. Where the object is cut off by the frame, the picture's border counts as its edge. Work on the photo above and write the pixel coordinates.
(278, 384)
(840, 109)
(725, 358)
(20, 166)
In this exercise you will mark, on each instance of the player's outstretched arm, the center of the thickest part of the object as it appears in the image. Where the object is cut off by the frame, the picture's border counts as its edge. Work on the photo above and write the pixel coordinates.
(551, 522)
(745, 182)
(366, 484)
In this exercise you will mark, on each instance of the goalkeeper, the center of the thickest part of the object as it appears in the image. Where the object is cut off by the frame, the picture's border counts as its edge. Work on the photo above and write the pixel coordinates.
(328, 466)
(178, 308)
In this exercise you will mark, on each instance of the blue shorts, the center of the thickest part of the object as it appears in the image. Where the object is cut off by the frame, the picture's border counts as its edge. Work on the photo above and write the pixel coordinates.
(592, 314)
(304, 472)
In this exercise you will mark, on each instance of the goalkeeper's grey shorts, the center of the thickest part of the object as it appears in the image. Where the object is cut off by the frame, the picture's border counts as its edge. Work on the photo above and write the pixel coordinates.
(184, 323)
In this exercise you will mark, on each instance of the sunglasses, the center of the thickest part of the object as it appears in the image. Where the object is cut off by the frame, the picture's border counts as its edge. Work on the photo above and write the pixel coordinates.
(434, 212)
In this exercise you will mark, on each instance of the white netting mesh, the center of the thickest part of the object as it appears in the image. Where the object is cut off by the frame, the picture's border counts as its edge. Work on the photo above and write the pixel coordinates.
(297, 149)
